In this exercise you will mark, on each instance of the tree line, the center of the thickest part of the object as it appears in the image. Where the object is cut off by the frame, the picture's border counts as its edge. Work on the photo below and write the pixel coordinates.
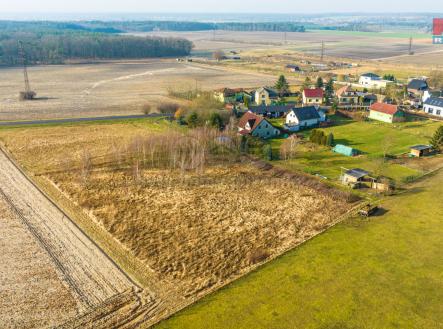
(50, 48)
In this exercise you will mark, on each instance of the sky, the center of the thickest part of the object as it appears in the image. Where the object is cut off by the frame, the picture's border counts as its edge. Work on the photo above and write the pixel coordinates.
(213, 6)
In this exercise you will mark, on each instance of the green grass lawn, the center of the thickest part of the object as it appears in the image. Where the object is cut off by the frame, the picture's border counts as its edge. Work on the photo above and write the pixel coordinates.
(385, 272)
(368, 137)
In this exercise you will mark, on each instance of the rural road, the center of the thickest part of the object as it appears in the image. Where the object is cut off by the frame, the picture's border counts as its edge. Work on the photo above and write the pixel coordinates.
(90, 274)
(84, 119)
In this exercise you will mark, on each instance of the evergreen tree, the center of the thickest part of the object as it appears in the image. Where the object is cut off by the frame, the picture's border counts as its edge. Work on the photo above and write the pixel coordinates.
(282, 85)
(324, 140)
(215, 120)
(329, 91)
(330, 140)
(192, 120)
(319, 83)
(437, 139)
(246, 101)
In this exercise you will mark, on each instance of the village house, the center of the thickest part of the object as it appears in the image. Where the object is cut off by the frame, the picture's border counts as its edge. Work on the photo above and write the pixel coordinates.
(417, 87)
(257, 126)
(304, 117)
(272, 111)
(347, 96)
(434, 106)
(313, 96)
(227, 95)
(371, 80)
(354, 177)
(386, 113)
(265, 96)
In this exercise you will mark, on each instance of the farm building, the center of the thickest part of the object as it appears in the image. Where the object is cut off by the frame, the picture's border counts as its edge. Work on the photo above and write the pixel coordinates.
(420, 150)
(347, 96)
(434, 106)
(272, 111)
(386, 113)
(313, 96)
(416, 87)
(265, 96)
(354, 177)
(257, 126)
(371, 80)
(345, 150)
(293, 68)
(304, 117)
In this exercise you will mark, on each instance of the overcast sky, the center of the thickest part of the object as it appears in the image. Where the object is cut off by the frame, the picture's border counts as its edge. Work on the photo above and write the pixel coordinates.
(211, 6)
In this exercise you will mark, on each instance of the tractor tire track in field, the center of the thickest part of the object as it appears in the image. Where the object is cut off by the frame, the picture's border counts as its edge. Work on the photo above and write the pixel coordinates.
(90, 274)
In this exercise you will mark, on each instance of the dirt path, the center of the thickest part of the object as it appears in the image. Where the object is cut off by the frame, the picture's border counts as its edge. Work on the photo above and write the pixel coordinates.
(92, 277)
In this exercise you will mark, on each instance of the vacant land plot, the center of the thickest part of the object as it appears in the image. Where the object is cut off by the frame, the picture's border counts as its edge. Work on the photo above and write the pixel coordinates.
(109, 88)
(33, 293)
(381, 273)
(195, 230)
(373, 139)
(355, 45)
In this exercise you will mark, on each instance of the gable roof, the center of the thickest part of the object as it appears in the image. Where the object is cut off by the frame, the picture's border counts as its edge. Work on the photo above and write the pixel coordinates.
(421, 147)
(306, 113)
(253, 119)
(384, 108)
(418, 84)
(263, 109)
(271, 92)
(434, 101)
(345, 89)
(357, 173)
(313, 93)
(371, 75)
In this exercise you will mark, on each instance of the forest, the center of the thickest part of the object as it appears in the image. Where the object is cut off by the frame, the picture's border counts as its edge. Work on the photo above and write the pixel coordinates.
(55, 48)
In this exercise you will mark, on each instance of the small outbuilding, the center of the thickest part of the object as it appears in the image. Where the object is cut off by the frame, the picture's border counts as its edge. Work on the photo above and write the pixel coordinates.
(354, 177)
(345, 150)
(420, 150)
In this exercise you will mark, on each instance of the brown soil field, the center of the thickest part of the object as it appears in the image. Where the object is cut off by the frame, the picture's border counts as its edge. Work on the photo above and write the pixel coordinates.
(110, 88)
(195, 231)
(32, 293)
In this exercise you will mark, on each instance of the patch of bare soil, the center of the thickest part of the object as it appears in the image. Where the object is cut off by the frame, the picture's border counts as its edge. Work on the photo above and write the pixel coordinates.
(32, 293)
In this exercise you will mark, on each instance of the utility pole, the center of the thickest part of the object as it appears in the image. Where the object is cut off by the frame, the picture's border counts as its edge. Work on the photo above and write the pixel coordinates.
(410, 46)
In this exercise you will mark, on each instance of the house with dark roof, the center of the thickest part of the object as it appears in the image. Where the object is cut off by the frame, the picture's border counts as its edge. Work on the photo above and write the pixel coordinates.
(313, 96)
(434, 106)
(304, 117)
(293, 68)
(272, 111)
(228, 95)
(347, 96)
(416, 87)
(265, 96)
(386, 113)
(257, 126)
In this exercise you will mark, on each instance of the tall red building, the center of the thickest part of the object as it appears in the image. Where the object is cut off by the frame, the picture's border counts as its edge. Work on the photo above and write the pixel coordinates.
(438, 26)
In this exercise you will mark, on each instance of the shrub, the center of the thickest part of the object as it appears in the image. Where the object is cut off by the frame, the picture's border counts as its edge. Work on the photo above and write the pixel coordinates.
(193, 120)
(216, 121)
(267, 152)
(168, 108)
(258, 256)
(146, 109)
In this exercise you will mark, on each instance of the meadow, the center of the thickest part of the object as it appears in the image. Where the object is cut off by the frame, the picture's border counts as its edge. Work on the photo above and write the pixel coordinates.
(385, 272)
(373, 139)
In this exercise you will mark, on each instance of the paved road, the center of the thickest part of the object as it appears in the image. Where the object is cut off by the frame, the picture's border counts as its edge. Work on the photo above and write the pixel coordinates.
(92, 276)
(73, 120)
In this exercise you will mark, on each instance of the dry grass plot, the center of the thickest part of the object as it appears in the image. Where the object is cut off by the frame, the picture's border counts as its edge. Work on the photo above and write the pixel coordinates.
(196, 230)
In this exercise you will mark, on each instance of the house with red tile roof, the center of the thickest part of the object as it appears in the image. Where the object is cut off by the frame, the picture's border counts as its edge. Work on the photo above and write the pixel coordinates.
(313, 96)
(386, 113)
(257, 126)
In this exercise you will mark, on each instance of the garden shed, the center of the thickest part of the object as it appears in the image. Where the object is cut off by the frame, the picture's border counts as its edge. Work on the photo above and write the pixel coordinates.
(345, 150)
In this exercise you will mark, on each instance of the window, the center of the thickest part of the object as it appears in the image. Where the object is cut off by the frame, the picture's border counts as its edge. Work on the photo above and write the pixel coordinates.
(430, 111)
(438, 112)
